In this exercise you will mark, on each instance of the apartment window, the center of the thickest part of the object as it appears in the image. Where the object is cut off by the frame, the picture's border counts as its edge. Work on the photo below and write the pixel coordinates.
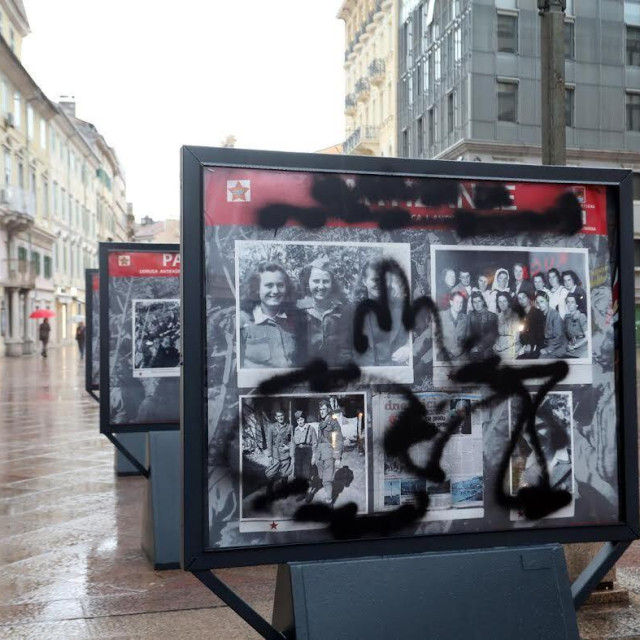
(507, 101)
(17, 110)
(22, 254)
(636, 253)
(32, 187)
(450, 112)
(437, 64)
(569, 106)
(632, 12)
(633, 46)
(20, 175)
(7, 167)
(4, 97)
(12, 36)
(35, 261)
(43, 134)
(45, 199)
(457, 47)
(431, 118)
(569, 41)
(47, 267)
(405, 143)
(420, 127)
(633, 111)
(636, 187)
(507, 33)
(30, 122)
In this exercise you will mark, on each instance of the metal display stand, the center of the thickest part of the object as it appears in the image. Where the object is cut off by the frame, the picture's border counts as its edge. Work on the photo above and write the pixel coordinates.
(503, 593)
(135, 444)
(161, 518)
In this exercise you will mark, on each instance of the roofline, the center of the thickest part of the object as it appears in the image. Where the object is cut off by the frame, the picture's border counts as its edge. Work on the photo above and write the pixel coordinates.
(39, 94)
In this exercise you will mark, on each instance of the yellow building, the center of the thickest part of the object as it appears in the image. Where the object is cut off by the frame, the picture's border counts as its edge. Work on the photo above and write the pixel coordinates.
(61, 191)
(370, 76)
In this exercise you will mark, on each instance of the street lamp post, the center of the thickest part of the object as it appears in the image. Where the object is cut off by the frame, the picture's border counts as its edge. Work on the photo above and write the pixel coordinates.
(552, 81)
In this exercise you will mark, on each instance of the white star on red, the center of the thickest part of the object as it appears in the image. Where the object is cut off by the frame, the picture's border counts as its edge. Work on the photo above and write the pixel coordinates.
(238, 192)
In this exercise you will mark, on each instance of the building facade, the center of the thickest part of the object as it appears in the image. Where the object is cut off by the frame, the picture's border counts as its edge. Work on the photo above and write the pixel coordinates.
(469, 84)
(61, 192)
(163, 231)
(370, 76)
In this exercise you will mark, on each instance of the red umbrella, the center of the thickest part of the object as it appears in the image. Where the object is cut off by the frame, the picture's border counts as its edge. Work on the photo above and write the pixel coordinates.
(42, 313)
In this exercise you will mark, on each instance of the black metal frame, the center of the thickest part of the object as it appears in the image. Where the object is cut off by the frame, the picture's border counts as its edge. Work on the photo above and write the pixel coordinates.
(89, 386)
(195, 554)
(106, 427)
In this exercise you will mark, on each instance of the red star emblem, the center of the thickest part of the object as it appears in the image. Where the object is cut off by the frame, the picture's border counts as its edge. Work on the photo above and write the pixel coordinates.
(238, 192)
(274, 525)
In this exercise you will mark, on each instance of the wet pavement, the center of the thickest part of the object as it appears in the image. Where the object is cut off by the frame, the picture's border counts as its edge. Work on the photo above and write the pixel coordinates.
(70, 559)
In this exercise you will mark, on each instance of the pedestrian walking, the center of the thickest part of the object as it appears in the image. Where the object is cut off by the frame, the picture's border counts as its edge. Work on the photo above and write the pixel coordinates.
(80, 338)
(44, 331)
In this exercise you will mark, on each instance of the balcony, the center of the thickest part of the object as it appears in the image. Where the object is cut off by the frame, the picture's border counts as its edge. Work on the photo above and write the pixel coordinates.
(350, 104)
(363, 89)
(363, 141)
(377, 71)
(21, 274)
(17, 209)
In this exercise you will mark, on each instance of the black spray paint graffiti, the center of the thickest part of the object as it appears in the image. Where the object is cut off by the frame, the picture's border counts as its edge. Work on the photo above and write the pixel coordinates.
(353, 205)
(338, 201)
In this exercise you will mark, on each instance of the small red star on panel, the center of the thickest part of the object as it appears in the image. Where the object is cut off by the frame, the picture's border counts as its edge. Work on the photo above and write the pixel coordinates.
(238, 192)
(274, 525)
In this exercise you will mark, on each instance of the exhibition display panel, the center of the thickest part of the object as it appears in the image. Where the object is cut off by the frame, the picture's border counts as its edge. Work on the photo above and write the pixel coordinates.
(393, 356)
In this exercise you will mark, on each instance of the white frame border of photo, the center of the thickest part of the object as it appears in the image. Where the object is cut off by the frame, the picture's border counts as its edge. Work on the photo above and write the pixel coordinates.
(569, 510)
(251, 377)
(261, 525)
(432, 515)
(580, 369)
(148, 372)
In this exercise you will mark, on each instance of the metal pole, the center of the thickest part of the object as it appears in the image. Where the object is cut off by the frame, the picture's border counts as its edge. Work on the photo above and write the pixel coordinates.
(552, 81)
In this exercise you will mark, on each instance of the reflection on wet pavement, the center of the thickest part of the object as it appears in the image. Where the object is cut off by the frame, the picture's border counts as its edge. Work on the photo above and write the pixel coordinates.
(70, 529)
(70, 559)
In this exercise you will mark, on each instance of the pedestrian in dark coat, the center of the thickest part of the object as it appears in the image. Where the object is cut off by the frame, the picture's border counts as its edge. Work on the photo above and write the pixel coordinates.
(44, 331)
(80, 338)
(328, 449)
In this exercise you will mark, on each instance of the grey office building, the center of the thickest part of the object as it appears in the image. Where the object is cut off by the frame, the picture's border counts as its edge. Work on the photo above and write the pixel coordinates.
(470, 80)
(469, 84)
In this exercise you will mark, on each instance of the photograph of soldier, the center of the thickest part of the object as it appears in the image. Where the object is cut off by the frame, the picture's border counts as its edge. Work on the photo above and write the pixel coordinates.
(518, 310)
(156, 338)
(305, 440)
(279, 451)
(320, 440)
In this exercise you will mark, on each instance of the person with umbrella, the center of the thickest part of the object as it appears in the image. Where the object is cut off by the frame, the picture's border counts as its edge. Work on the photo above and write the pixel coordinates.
(45, 327)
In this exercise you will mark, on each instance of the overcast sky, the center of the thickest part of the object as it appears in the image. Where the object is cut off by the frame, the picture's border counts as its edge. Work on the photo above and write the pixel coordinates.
(153, 77)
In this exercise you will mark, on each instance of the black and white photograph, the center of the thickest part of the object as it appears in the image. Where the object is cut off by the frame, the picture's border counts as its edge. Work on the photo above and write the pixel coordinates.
(460, 495)
(554, 428)
(522, 304)
(320, 439)
(156, 344)
(296, 303)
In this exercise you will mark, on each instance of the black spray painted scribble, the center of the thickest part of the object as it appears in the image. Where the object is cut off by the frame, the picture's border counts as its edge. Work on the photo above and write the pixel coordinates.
(368, 201)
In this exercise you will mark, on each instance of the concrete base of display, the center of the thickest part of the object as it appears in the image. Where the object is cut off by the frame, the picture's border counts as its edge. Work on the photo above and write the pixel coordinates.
(161, 518)
(136, 444)
(501, 594)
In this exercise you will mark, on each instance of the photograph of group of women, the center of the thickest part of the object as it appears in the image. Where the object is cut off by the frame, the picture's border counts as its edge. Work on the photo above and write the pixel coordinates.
(517, 303)
(296, 303)
(320, 439)
(554, 428)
